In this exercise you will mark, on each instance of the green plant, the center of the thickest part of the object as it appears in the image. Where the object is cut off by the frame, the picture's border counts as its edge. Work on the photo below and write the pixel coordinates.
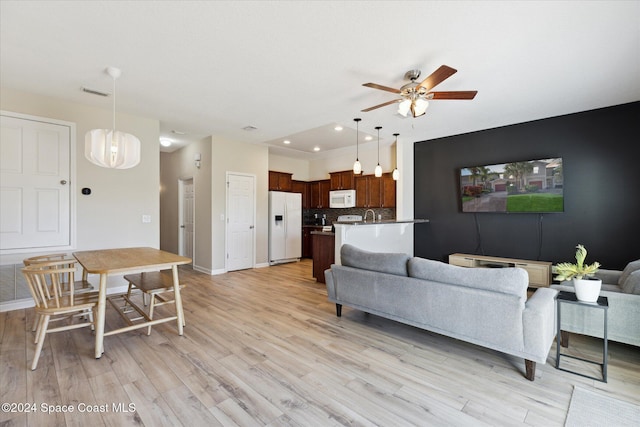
(568, 271)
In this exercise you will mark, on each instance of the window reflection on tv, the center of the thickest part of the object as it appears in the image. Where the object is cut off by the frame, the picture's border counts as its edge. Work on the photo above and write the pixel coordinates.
(517, 187)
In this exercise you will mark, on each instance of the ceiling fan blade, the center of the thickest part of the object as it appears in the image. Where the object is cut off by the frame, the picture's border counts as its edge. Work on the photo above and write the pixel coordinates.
(377, 86)
(461, 94)
(395, 101)
(437, 77)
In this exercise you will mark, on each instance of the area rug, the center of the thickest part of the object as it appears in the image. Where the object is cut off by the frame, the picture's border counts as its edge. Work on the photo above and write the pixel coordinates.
(589, 408)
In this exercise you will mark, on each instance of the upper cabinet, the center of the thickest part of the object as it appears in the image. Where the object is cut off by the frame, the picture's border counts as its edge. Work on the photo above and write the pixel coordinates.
(280, 181)
(319, 194)
(343, 180)
(302, 187)
(373, 192)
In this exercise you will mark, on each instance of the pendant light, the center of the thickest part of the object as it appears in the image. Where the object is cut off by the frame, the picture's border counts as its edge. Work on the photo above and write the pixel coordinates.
(378, 170)
(109, 148)
(395, 173)
(357, 167)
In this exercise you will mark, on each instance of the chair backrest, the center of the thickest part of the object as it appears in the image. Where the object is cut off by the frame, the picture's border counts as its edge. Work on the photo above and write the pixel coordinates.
(65, 282)
(45, 281)
(44, 258)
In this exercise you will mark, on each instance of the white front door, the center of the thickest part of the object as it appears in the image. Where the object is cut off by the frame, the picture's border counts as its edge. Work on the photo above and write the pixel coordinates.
(240, 221)
(187, 209)
(35, 174)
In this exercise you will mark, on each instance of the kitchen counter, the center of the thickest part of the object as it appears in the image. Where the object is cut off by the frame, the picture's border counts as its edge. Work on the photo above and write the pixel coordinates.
(389, 221)
(325, 233)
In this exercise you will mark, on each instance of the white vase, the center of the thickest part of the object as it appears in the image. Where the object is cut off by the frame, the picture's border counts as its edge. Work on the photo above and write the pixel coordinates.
(587, 290)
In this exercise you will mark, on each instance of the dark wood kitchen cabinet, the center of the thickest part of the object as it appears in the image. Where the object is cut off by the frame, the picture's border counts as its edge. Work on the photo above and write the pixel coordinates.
(302, 187)
(373, 192)
(280, 181)
(320, 194)
(343, 180)
(307, 247)
(323, 253)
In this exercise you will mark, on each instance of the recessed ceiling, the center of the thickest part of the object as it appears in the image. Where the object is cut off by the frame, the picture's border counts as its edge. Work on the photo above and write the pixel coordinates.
(291, 69)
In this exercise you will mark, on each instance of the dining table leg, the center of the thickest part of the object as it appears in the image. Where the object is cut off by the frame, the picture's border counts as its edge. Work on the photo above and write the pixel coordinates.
(100, 315)
(178, 298)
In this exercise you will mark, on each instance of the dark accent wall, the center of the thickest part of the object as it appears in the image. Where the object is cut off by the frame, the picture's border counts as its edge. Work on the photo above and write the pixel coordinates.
(601, 166)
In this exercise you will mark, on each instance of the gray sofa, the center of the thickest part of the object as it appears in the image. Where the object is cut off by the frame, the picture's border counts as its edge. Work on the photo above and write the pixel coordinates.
(483, 306)
(622, 289)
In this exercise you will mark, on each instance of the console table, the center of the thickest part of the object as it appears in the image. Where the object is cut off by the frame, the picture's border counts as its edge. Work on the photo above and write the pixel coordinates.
(539, 271)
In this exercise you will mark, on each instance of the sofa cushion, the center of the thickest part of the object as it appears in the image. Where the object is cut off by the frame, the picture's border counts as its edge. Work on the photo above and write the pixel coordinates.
(506, 280)
(630, 268)
(632, 283)
(392, 263)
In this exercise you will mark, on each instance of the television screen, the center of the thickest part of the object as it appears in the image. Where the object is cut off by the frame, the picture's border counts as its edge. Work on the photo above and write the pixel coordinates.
(517, 187)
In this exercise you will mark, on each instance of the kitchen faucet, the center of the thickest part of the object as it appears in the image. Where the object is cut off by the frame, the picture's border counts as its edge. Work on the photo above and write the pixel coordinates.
(372, 213)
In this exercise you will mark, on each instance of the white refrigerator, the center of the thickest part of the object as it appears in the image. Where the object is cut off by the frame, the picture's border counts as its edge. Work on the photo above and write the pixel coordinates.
(285, 227)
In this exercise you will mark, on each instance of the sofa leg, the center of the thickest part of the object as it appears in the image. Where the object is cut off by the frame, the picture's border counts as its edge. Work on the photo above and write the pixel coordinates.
(564, 338)
(339, 310)
(530, 367)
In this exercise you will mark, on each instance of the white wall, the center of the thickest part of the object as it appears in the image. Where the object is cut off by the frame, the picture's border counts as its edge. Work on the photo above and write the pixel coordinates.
(298, 167)
(234, 156)
(112, 215)
(181, 165)
(343, 159)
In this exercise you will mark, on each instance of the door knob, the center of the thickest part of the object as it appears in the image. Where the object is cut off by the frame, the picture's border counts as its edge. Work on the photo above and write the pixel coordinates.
(63, 182)
(182, 226)
(251, 227)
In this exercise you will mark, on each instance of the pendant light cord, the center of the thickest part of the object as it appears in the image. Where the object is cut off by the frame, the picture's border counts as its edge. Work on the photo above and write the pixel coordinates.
(114, 106)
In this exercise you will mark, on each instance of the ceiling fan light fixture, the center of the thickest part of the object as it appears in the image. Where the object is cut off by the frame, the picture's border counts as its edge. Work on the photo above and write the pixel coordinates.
(419, 107)
(109, 148)
(403, 107)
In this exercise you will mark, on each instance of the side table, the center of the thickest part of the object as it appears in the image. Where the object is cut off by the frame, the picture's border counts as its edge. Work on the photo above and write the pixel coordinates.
(602, 304)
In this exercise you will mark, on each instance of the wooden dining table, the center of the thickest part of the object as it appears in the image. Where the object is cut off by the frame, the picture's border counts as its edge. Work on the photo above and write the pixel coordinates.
(106, 262)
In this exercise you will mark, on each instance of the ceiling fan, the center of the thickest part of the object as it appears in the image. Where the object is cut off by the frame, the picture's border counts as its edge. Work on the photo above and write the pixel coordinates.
(414, 96)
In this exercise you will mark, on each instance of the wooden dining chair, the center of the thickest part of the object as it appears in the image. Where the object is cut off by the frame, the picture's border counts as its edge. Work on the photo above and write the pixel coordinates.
(71, 310)
(79, 286)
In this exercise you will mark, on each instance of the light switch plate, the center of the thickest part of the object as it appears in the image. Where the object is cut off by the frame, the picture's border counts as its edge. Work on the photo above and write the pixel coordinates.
(146, 218)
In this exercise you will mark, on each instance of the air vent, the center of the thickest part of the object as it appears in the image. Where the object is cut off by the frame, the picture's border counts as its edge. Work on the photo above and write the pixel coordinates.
(94, 92)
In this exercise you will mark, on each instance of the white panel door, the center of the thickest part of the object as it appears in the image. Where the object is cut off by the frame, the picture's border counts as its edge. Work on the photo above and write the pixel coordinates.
(34, 184)
(240, 221)
(187, 216)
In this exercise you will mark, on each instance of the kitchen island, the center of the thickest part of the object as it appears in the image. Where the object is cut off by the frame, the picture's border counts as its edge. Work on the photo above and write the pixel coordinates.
(376, 236)
(323, 253)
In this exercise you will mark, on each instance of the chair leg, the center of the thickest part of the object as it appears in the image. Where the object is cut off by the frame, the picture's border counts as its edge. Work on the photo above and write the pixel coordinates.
(39, 328)
(36, 320)
(42, 333)
(152, 303)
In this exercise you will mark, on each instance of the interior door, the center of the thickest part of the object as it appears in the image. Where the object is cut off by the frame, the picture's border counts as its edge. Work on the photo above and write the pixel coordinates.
(187, 220)
(35, 174)
(240, 221)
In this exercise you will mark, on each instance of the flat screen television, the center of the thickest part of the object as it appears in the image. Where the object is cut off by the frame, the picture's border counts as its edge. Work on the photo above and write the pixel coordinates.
(531, 186)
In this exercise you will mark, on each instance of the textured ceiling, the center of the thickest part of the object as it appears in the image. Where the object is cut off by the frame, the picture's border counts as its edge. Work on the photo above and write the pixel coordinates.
(293, 70)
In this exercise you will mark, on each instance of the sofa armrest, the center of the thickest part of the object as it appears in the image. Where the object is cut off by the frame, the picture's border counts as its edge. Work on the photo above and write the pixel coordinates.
(331, 286)
(623, 317)
(539, 323)
(610, 277)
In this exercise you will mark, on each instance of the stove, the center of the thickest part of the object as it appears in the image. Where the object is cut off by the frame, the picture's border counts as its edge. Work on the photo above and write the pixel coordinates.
(350, 218)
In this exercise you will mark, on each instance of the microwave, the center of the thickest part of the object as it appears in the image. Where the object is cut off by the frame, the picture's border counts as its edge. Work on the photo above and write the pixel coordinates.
(342, 199)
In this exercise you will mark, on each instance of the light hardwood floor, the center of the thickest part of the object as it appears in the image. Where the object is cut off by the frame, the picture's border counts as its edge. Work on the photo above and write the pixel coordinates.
(264, 347)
